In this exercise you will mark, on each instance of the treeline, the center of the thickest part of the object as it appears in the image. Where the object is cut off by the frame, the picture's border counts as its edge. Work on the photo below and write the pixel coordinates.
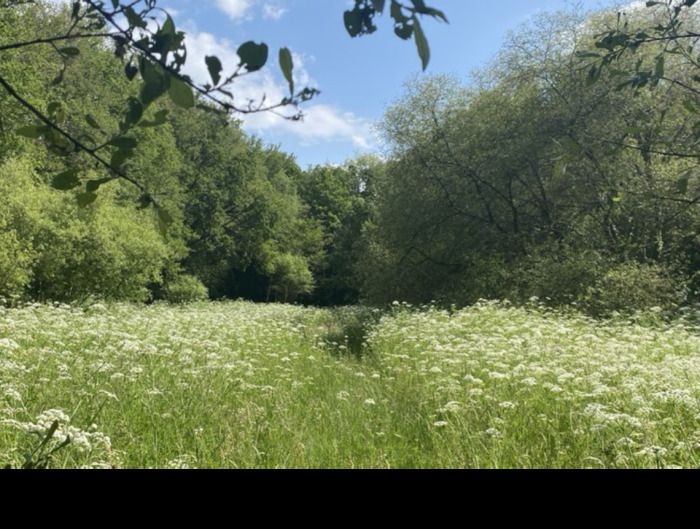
(531, 180)
(540, 180)
(246, 220)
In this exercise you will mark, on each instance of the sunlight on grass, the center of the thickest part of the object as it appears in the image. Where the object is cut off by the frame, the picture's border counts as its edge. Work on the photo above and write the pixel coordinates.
(242, 385)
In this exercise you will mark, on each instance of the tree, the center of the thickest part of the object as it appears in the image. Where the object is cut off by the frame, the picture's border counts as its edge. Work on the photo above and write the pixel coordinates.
(666, 35)
(519, 185)
(145, 38)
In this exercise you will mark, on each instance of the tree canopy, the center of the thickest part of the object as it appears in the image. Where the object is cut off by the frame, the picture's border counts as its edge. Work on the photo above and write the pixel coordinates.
(534, 179)
(144, 38)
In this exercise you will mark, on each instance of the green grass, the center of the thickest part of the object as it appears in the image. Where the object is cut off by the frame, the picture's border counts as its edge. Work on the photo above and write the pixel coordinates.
(239, 385)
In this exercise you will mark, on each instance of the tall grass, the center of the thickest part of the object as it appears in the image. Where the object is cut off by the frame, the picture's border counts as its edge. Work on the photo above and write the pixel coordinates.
(240, 385)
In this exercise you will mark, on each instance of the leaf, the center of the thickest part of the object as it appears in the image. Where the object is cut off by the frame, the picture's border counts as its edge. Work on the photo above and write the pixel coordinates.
(120, 157)
(421, 44)
(66, 181)
(69, 51)
(253, 56)
(593, 75)
(436, 13)
(397, 13)
(92, 122)
(85, 199)
(682, 184)
(123, 142)
(133, 114)
(165, 220)
(353, 22)
(660, 67)
(59, 78)
(180, 93)
(214, 67)
(93, 185)
(168, 26)
(158, 119)
(404, 31)
(130, 71)
(378, 5)
(135, 20)
(155, 83)
(57, 112)
(287, 67)
(31, 131)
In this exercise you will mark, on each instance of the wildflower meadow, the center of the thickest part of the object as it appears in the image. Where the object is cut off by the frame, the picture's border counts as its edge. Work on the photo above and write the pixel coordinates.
(243, 385)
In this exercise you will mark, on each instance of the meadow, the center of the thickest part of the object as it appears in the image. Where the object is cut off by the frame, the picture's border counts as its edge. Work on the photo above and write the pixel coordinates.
(243, 385)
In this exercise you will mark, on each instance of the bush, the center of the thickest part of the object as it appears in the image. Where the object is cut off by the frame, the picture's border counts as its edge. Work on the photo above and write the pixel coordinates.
(559, 277)
(629, 287)
(52, 250)
(185, 289)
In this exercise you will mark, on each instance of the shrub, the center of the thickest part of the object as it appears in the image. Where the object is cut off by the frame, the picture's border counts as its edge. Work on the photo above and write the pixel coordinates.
(185, 289)
(52, 250)
(629, 287)
(559, 277)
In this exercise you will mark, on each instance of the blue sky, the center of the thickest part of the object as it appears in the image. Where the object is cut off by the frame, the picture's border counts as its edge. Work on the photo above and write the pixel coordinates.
(358, 77)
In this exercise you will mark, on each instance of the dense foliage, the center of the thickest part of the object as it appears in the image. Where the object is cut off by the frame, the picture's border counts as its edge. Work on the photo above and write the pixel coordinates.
(537, 180)
(549, 175)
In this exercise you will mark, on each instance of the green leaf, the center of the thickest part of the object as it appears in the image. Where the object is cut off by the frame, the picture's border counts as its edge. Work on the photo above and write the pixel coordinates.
(287, 67)
(168, 26)
(92, 122)
(593, 75)
(158, 119)
(397, 13)
(353, 22)
(180, 93)
(130, 71)
(69, 51)
(378, 5)
(682, 184)
(59, 78)
(404, 31)
(135, 20)
(57, 112)
(253, 56)
(31, 131)
(421, 44)
(660, 67)
(436, 13)
(85, 199)
(123, 142)
(133, 114)
(155, 83)
(214, 67)
(66, 181)
(120, 157)
(93, 185)
(165, 220)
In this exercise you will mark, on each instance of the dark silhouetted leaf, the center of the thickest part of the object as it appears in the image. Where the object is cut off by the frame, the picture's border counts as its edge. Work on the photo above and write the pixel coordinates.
(66, 180)
(287, 67)
(214, 67)
(253, 56)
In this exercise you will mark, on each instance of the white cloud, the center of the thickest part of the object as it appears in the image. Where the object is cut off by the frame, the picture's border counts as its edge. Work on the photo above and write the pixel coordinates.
(273, 11)
(321, 122)
(236, 9)
(242, 9)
